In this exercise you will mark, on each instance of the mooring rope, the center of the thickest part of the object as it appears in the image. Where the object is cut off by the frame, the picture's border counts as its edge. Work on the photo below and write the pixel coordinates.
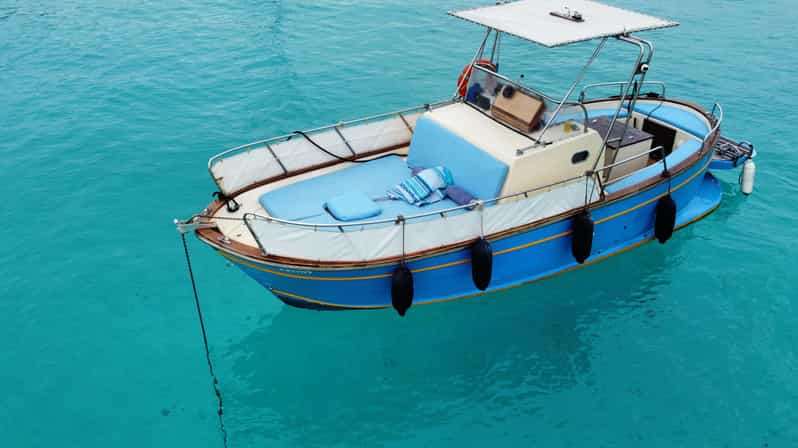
(220, 411)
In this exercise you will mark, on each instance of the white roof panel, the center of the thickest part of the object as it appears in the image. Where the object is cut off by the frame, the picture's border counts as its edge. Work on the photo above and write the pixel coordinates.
(533, 20)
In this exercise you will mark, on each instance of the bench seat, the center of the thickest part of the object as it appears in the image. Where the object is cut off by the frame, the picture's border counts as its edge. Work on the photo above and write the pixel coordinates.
(304, 201)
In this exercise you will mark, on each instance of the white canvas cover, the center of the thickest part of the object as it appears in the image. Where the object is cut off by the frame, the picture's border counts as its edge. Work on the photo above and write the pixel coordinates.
(532, 20)
(374, 242)
(256, 162)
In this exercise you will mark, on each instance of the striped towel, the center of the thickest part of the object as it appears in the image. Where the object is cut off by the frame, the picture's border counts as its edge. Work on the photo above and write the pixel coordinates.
(423, 188)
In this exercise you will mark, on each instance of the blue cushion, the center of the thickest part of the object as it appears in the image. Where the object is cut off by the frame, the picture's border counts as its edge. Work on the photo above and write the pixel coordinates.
(683, 152)
(352, 206)
(305, 200)
(390, 210)
(678, 118)
(473, 169)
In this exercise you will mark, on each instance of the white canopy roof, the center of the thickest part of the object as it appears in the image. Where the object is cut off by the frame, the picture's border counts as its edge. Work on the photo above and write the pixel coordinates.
(533, 20)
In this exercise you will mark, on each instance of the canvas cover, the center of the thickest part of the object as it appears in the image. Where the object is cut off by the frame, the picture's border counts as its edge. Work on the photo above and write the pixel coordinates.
(532, 20)
(378, 241)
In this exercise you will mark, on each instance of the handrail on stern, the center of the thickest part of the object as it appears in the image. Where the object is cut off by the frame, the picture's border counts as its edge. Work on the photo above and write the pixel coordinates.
(717, 116)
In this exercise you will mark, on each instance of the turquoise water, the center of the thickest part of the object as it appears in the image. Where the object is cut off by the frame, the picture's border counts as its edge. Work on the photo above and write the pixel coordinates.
(109, 112)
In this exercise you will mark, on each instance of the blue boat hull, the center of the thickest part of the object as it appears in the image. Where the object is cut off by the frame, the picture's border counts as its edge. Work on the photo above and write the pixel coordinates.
(518, 259)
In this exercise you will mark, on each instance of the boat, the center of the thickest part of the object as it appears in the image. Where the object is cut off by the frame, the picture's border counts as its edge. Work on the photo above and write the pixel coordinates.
(500, 186)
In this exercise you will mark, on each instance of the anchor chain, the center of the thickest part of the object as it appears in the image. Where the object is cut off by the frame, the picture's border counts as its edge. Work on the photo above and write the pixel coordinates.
(220, 410)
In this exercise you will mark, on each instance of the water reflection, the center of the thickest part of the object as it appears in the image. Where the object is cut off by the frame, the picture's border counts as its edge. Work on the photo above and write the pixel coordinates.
(311, 378)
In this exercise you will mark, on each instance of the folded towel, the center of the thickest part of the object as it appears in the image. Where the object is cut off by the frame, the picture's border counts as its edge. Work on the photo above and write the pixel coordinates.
(423, 188)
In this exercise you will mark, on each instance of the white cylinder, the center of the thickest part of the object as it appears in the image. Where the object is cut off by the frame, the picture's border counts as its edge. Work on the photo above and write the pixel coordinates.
(747, 177)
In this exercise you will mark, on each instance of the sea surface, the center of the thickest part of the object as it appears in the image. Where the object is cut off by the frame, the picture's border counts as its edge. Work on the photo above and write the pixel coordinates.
(109, 111)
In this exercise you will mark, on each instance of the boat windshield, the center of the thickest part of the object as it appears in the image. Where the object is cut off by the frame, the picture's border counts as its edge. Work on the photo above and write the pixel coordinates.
(485, 86)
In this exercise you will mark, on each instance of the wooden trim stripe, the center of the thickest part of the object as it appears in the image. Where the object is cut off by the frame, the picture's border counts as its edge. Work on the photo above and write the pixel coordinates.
(505, 288)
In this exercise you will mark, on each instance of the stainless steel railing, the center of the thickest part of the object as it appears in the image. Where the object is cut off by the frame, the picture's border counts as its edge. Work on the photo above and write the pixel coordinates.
(266, 143)
(629, 159)
(590, 198)
(717, 115)
(398, 219)
(621, 86)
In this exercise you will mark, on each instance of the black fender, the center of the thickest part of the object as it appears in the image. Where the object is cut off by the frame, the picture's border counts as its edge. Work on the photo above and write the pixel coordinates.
(582, 236)
(402, 289)
(665, 218)
(481, 263)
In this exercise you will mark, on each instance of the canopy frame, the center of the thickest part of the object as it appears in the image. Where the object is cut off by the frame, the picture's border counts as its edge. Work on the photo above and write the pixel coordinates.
(630, 89)
(552, 24)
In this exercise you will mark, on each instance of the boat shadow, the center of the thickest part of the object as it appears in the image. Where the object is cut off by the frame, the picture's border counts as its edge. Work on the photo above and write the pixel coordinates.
(367, 377)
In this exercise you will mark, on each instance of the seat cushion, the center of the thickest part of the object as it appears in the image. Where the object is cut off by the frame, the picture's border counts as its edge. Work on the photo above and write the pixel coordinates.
(304, 200)
(674, 116)
(473, 169)
(352, 206)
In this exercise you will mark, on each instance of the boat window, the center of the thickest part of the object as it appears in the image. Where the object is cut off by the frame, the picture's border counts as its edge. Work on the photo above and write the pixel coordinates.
(579, 157)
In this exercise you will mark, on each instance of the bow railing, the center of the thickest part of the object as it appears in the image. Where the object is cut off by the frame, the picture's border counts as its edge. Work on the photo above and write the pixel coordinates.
(277, 157)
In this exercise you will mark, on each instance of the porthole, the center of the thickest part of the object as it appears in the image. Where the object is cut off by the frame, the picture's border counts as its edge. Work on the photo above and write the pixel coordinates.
(579, 157)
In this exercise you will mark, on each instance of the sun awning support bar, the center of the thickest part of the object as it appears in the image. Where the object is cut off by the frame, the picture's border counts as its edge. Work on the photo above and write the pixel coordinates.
(640, 69)
(496, 51)
(636, 82)
(570, 92)
(477, 56)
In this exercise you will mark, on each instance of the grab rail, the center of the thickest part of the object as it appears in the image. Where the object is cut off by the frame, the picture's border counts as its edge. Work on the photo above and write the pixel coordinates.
(248, 218)
(282, 165)
(227, 152)
(718, 120)
(620, 84)
(443, 212)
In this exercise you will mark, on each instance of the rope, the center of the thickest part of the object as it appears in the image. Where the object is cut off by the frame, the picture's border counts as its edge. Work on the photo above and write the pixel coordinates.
(220, 411)
(231, 204)
(336, 156)
(665, 171)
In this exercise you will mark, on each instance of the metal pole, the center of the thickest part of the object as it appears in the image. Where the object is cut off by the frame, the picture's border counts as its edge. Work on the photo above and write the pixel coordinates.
(498, 51)
(620, 104)
(473, 61)
(578, 79)
(638, 86)
(495, 43)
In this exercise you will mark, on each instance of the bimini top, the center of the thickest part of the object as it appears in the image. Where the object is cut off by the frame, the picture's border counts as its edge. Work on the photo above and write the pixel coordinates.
(552, 23)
